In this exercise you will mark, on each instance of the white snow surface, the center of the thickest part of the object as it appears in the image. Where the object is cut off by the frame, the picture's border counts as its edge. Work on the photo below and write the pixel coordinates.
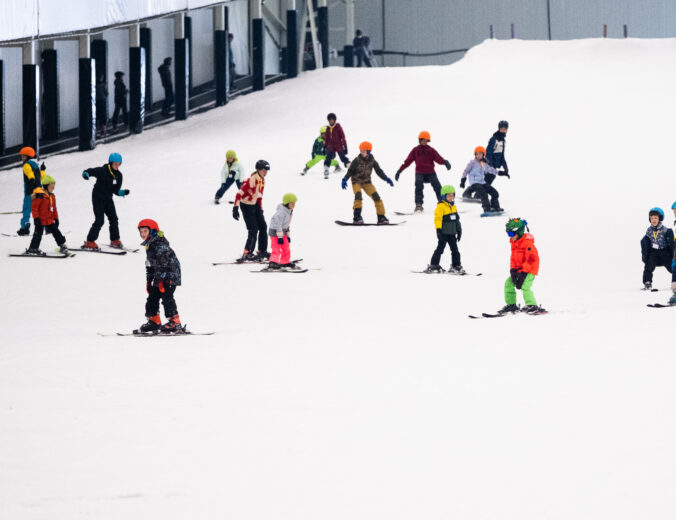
(362, 390)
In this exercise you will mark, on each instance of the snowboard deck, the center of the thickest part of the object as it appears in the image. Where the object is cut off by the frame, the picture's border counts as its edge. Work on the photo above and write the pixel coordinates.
(660, 305)
(470, 199)
(343, 223)
(493, 213)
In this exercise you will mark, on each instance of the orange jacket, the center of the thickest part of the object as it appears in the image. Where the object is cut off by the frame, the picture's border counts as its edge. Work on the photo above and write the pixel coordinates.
(44, 208)
(524, 255)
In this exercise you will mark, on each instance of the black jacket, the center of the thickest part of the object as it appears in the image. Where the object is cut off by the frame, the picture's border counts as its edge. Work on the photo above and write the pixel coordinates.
(165, 76)
(161, 261)
(495, 151)
(108, 181)
(666, 253)
(120, 92)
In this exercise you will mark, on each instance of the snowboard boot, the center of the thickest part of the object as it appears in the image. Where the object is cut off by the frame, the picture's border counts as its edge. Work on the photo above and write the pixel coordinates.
(24, 230)
(418, 209)
(647, 286)
(117, 244)
(511, 307)
(274, 266)
(173, 326)
(153, 324)
(456, 270)
(90, 245)
(382, 220)
(672, 300)
(34, 252)
(356, 219)
(434, 269)
(304, 171)
(533, 309)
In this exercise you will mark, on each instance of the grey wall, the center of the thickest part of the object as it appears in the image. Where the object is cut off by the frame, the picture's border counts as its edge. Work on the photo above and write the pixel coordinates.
(11, 57)
(202, 46)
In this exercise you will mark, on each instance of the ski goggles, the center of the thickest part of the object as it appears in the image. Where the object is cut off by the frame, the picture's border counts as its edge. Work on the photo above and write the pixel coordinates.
(511, 233)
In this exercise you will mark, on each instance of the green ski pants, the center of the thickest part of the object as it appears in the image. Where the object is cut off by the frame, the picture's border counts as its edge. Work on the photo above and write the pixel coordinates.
(528, 296)
(318, 158)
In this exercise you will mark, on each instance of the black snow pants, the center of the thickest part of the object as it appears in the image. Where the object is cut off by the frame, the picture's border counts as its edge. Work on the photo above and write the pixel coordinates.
(483, 191)
(420, 180)
(656, 257)
(103, 207)
(167, 298)
(53, 229)
(257, 227)
(452, 244)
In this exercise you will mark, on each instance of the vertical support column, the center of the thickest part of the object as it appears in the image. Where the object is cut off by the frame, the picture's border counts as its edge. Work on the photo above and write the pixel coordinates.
(99, 52)
(348, 50)
(187, 20)
(146, 44)
(30, 90)
(50, 91)
(87, 96)
(258, 44)
(181, 67)
(137, 80)
(291, 39)
(220, 55)
(323, 29)
(2, 108)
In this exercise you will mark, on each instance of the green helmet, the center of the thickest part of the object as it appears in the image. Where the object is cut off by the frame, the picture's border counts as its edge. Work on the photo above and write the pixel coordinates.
(47, 180)
(322, 130)
(445, 190)
(230, 154)
(516, 226)
(288, 198)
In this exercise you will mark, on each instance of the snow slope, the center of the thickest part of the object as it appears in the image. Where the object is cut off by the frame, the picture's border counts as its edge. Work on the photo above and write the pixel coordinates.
(362, 390)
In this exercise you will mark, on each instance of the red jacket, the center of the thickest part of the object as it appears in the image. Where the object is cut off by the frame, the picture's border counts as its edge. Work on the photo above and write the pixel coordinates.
(334, 138)
(524, 255)
(44, 208)
(424, 156)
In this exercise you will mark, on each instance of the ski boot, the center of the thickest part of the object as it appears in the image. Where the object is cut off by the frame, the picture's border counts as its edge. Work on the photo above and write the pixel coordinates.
(647, 286)
(326, 172)
(24, 230)
(337, 169)
(90, 245)
(153, 324)
(533, 309)
(262, 256)
(672, 300)
(510, 307)
(382, 220)
(173, 326)
(434, 269)
(304, 171)
(290, 266)
(274, 266)
(34, 252)
(456, 270)
(418, 209)
(117, 244)
(356, 219)
(247, 256)
(63, 248)
(217, 201)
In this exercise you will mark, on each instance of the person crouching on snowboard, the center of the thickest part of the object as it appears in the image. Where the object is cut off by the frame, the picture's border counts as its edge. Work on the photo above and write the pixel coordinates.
(360, 171)
(657, 247)
(523, 267)
(46, 217)
(279, 229)
(230, 173)
(476, 170)
(318, 153)
(163, 275)
(250, 198)
(449, 231)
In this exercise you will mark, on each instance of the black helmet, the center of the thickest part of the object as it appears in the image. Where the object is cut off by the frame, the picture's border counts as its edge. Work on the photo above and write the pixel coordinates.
(331, 116)
(503, 124)
(262, 164)
(119, 74)
(359, 33)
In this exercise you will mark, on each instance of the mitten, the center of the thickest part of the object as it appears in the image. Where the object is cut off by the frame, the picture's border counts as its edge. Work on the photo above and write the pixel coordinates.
(235, 212)
(389, 181)
(521, 277)
(280, 240)
(85, 176)
(448, 165)
(122, 193)
(396, 175)
(343, 183)
(462, 182)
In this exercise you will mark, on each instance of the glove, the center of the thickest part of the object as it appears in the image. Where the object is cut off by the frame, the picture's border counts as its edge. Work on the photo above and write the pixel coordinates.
(520, 278)
(288, 238)
(160, 286)
(457, 237)
(343, 183)
(280, 240)
(504, 173)
(448, 165)
(389, 181)
(462, 182)
(148, 284)
(85, 176)
(396, 175)
(514, 273)
(122, 193)
(235, 212)
(42, 166)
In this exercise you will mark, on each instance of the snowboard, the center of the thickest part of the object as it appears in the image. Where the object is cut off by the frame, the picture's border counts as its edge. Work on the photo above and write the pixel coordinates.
(343, 223)
(470, 199)
(493, 213)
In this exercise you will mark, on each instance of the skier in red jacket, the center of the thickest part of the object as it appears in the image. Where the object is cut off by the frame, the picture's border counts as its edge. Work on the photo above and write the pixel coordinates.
(45, 216)
(424, 157)
(334, 140)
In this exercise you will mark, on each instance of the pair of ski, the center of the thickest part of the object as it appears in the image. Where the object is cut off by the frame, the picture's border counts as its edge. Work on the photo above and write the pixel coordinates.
(138, 334)
(503, 314)
(30, 234)
(45, 255)
(112, 250)
(267, 269)
(363, 224)
(443, 271)
(258, 261)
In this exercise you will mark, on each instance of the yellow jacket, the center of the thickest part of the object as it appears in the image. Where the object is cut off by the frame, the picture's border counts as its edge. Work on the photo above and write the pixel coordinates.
(447, 219)
(31, 180)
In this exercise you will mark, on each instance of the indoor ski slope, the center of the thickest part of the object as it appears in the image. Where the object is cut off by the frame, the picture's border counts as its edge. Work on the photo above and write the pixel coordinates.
(362, 390)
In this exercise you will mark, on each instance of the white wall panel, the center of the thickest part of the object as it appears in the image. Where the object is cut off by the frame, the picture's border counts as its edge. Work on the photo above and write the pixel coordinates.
(18, 19)
(118, 59)
(11, 59)
(162, 36)
(202, 46)
(238, 20)
(68, 56)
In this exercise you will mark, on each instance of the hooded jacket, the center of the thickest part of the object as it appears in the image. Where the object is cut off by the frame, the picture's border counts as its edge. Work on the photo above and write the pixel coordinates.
(476, 171)
(424, 157)
(334, 138)
(161, 261)
(280, 223)
(495, 151)
(32, 176)
(446, 218)
(108, 181)
(43, 207)
(524, 255)
(233, 170)
(361, 167)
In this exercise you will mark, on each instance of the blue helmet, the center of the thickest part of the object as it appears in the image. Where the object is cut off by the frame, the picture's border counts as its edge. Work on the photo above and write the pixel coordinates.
(673, 206)
(656, 211)
(115, 157)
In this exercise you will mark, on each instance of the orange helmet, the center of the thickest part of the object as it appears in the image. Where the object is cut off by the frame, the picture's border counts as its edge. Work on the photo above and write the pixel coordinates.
(424, 135)
(480, 149)
(28, 151)
(365, 146)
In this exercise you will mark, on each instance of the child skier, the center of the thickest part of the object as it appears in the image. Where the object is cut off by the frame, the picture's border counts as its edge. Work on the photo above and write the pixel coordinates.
(657, 247)
(45, 217)
(230, 173)
(280, 239)
(672, 300)
(360, 171)
(334, 138)
(449, 231)
(523, 268)
(319, 153)
(163, 275)
(424, 157)
(108, 183)
(476, 170)
(250, 198)
(32, 179)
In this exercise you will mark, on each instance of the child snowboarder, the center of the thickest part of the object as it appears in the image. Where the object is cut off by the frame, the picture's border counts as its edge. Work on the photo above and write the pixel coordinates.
(495, 152)
(45, 217)
(424, 157)
(657, 247)
(523, 268)
(163, 275)
(476, 170)
(360, 171)
(250, 198)
(334, 139)
(108, 183)
(231, 172)
(280, 239)
(32, 179)
(319, 153)
(449, 231)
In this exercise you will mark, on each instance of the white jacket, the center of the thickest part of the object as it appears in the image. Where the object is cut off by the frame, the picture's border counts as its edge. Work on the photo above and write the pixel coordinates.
(232, 170)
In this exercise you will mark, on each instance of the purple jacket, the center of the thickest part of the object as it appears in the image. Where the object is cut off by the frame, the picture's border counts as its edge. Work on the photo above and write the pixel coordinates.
(476, 171)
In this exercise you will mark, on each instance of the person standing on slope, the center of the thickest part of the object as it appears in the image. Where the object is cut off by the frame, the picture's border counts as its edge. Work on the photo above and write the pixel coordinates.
(424, 157)
(334, 139)
(360, 172)
(495, 157)
(32, 179)
(476, 170)
(318, 153)
(449, 231)
(108, 183)
(46, 217)
(250, 198)
(657, 247)
(232, 172)
(524, 265)
(672, 300)
(280, 239)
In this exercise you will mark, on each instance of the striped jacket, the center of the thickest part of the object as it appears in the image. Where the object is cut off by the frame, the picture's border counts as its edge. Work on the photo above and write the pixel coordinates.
(251, 191)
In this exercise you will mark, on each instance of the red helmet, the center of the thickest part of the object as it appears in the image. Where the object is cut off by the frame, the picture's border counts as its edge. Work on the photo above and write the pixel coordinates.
(27, 151)
(149, 223)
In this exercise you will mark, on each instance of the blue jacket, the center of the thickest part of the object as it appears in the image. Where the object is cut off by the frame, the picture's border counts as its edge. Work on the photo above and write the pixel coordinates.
(495, 151)
(476, 171)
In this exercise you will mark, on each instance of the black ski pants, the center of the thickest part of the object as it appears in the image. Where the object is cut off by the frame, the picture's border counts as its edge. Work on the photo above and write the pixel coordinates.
(656, 257)
(52, 228)
(122, 106)
(452, 244)
(483, 191)
(256, 225)
(224, 187)
(330, 155)
(426, 178)
(362, 57)
(103, 208)
(167, 298)
(168, 100)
